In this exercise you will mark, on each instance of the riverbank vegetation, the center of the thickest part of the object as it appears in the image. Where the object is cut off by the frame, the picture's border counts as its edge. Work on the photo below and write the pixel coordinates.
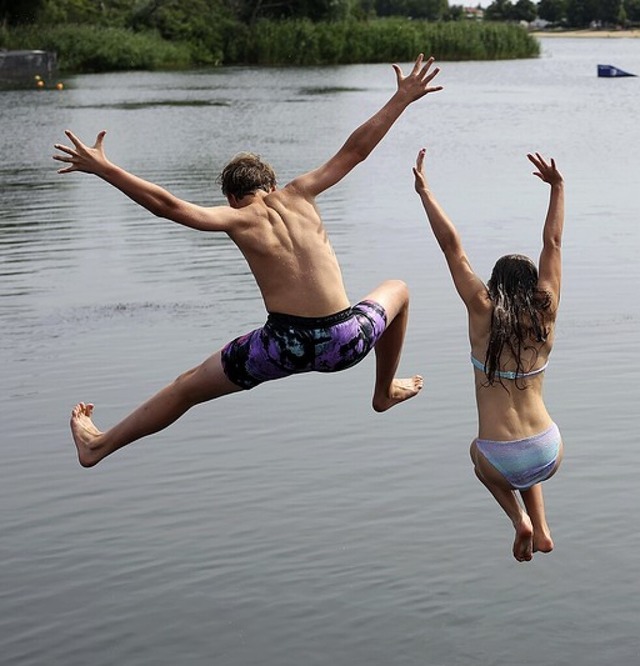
(572, 14)
(91, 36)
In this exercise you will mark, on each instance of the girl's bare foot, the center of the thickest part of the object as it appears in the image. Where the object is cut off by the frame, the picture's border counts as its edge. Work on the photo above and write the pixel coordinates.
(399, 391)
(523, 544)
(542, 542)
(85, 435)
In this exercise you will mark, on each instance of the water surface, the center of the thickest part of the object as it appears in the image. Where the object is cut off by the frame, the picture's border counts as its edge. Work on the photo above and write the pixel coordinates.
(291, 524)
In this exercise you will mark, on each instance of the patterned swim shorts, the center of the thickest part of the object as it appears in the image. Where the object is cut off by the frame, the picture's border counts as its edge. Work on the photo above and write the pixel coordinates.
(288, 345)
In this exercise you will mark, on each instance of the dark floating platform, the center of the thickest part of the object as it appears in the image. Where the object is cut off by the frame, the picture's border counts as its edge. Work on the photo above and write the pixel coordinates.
(27, 69)
(609, 72)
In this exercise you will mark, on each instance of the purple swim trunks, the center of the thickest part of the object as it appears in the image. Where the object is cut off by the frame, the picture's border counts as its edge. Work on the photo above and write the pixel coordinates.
(288, 345)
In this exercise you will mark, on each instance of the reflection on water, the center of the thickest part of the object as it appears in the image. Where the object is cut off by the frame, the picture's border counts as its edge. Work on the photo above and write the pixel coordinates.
(292, 525)
(135, 106)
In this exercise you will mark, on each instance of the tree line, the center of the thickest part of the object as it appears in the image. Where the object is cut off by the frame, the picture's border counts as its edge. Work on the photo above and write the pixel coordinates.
(179, 18)
(112, 35)
(568, 13)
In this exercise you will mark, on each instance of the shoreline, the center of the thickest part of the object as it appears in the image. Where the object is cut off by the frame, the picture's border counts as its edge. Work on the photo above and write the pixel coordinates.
(590, 34)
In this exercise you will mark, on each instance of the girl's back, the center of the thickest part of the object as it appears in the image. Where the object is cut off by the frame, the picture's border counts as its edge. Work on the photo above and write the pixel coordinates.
(510, 399)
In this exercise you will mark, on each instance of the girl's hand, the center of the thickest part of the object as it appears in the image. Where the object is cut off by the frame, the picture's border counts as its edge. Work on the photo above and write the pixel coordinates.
(547, 172)
(421, 184)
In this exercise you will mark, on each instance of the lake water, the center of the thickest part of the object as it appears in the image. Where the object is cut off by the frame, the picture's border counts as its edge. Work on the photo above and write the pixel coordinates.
(293, 526)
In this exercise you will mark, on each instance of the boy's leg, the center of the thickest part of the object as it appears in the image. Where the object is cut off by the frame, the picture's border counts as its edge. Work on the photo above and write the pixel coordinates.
(506, 497)
(393, 296)
(204, 382)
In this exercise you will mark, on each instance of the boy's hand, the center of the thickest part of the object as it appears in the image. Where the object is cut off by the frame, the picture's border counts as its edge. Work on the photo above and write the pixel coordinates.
(81, 157)
(416, 84)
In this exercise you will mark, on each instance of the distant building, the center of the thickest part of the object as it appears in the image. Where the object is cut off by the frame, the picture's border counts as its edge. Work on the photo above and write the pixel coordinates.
(473, 13)
(539, 24)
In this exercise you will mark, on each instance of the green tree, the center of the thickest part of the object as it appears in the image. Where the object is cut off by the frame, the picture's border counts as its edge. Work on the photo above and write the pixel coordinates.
(394, 7)
(609, 11)
(632, 8)
(580, 13)
(419, 9)
(455, 13)
(524, 10)
(13, 12)
(622, 16)
(249, 11)
(553, 11)
(436, 9)
(104, 13)
(364, 8)
(390, 7)
(499, 10)
(189, 21)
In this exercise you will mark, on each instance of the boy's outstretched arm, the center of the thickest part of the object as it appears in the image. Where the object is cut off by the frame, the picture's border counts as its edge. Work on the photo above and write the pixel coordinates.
(157, 200)
(365, 138)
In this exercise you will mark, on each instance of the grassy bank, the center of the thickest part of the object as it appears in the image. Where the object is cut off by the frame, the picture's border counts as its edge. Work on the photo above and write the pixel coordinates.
(389, 40)
(83, 48)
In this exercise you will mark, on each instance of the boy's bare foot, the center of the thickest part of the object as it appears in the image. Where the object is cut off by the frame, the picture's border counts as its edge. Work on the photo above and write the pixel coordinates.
(85, 435)
(400, 390)
(523, 544)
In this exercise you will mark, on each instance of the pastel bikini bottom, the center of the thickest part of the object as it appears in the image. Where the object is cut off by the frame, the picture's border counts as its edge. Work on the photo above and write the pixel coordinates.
(524, 462)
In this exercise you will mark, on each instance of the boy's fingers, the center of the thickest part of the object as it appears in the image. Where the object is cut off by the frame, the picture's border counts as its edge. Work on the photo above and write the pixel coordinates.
(418, 63)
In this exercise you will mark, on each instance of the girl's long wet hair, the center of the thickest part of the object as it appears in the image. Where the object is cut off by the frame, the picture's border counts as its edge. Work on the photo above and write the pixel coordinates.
(519, 315)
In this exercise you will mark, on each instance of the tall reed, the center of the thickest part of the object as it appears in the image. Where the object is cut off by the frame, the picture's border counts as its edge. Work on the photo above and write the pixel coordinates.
(301, 42)
(85, 48)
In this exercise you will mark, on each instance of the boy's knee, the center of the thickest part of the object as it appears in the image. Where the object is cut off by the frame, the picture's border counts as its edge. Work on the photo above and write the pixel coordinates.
(399, 287)
(183, 383)
(184, 377)
(399, 284)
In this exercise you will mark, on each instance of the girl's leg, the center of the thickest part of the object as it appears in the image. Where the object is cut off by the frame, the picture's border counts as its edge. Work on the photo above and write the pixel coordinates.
(393, 296)
(534, 502)
(204, 382)
(506, 497)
